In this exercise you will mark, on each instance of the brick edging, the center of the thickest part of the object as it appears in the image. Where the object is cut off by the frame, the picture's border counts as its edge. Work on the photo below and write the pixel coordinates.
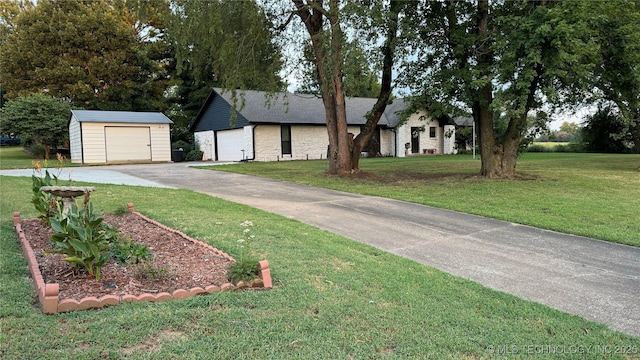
(48, 294)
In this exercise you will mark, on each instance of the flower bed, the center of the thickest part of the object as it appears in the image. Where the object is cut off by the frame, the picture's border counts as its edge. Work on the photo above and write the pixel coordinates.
(49, 292)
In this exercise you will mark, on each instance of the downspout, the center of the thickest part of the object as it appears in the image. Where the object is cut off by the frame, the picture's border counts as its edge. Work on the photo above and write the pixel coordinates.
(215, 148)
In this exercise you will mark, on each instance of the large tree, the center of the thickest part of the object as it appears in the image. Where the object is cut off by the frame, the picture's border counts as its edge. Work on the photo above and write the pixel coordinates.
(85, 51)
(37, 118)
(324, 24)
(616, 29)
(497, 60)
(226, 44)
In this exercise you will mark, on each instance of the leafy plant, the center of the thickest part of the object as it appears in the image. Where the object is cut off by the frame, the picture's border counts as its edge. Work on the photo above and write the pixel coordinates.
(147, 270)
(126, 251)
(246, 266)
(46, 204)
(82, 238)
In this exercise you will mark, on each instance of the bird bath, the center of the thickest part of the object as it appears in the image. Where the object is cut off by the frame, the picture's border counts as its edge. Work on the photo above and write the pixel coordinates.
(68, 195)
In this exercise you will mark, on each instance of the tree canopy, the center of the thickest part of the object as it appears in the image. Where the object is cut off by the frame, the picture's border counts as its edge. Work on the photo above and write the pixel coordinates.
(37, 118)
(498, 61)
(87, 52)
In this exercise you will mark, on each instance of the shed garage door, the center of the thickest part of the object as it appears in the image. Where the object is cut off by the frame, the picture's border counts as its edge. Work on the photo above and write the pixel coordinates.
(127, 143)
(230, 144)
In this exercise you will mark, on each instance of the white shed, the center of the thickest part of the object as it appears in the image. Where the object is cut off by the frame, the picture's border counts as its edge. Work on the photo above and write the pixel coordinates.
(100, 137)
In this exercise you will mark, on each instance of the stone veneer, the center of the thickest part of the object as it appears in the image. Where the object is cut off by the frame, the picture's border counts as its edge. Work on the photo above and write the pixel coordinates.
(51, 304)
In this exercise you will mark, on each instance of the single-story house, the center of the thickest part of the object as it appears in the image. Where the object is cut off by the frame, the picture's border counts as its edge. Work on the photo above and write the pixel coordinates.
(100, 137)
(292, 127)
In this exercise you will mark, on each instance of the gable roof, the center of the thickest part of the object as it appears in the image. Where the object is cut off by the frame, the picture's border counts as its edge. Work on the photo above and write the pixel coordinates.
(125, 117)
(258, 107)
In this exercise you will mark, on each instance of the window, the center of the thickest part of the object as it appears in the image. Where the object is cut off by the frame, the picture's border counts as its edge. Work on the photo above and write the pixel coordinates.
(285, 139)
(432, 131)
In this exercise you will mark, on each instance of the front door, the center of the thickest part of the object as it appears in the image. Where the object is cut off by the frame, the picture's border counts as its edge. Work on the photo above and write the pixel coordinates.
(415, 140)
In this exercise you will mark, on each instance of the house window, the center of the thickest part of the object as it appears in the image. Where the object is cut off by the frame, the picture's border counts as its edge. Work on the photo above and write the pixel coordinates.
(432, 131)
(285, 139)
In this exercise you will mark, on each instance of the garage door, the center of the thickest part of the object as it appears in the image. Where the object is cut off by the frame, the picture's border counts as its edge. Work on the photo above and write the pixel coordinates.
(230, 144)
(128, 143)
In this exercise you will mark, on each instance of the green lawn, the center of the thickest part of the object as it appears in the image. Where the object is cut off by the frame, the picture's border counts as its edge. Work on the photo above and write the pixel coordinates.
(15, 157)
(333, 299)
(594, 195)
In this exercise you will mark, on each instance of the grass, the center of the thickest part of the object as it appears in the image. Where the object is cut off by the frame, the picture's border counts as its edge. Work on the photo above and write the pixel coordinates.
(333, 299)
(15, 157)
(594, 195)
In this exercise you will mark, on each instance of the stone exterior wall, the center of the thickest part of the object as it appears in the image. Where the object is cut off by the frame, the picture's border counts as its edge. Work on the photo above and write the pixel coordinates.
(205, 142)
(437, 145)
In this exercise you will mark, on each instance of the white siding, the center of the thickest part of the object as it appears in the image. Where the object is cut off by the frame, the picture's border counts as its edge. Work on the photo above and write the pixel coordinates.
(94, 146)
(75, 141)
(160, 142)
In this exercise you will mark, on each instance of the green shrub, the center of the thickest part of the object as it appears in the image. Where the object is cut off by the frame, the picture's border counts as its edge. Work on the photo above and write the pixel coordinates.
(194, 155)
(535, 148)
(570, 148)
(125, 251)
(147, 270)
(46, 204)
(185, 146)
(37, 151)
(82, 237)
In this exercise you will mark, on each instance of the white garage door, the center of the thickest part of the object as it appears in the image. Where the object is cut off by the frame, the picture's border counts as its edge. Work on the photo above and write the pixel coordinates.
(230, 144)
(127, 143)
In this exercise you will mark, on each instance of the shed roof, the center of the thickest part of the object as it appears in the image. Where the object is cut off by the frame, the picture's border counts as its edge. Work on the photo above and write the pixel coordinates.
(126, 117)
(259, 107)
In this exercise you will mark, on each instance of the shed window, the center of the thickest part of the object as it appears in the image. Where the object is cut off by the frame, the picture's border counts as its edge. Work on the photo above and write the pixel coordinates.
(432, 131)
(285, 139)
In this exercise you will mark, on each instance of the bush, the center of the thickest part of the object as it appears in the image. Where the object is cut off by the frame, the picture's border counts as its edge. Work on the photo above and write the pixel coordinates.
(535, 148)
(82, 237)
(37, 151)
(185, 146)
(194, 155)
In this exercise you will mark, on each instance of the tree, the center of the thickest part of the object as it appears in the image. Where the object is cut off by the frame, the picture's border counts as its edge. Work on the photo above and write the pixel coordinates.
(38, 118)
(323, 25)
(617, 76)
(84, 51)
(360, 78)
(605, 131)
(225, 44)
(496, 58)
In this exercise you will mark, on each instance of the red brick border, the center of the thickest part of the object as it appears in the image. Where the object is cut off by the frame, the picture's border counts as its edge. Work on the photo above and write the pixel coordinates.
(51, 304)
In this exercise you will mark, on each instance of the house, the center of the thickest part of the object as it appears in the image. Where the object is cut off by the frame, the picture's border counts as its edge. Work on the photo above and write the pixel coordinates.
(273, 127)
(100, 137)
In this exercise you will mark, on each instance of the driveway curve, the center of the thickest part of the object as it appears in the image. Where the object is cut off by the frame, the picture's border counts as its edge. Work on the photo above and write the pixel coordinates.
(594, 279)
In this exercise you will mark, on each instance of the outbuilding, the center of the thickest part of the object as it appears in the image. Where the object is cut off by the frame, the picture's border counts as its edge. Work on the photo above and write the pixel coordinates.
(101, 137)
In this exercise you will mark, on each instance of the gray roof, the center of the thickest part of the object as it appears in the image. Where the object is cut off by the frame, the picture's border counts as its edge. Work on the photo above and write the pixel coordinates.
(463, 121)
(128, 117)
(287, 108)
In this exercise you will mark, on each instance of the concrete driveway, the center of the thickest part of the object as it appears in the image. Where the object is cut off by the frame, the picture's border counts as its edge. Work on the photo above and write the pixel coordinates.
(594, 279)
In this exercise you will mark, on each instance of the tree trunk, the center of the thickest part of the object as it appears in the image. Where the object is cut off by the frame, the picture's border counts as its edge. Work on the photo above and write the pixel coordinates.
(388, 50)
